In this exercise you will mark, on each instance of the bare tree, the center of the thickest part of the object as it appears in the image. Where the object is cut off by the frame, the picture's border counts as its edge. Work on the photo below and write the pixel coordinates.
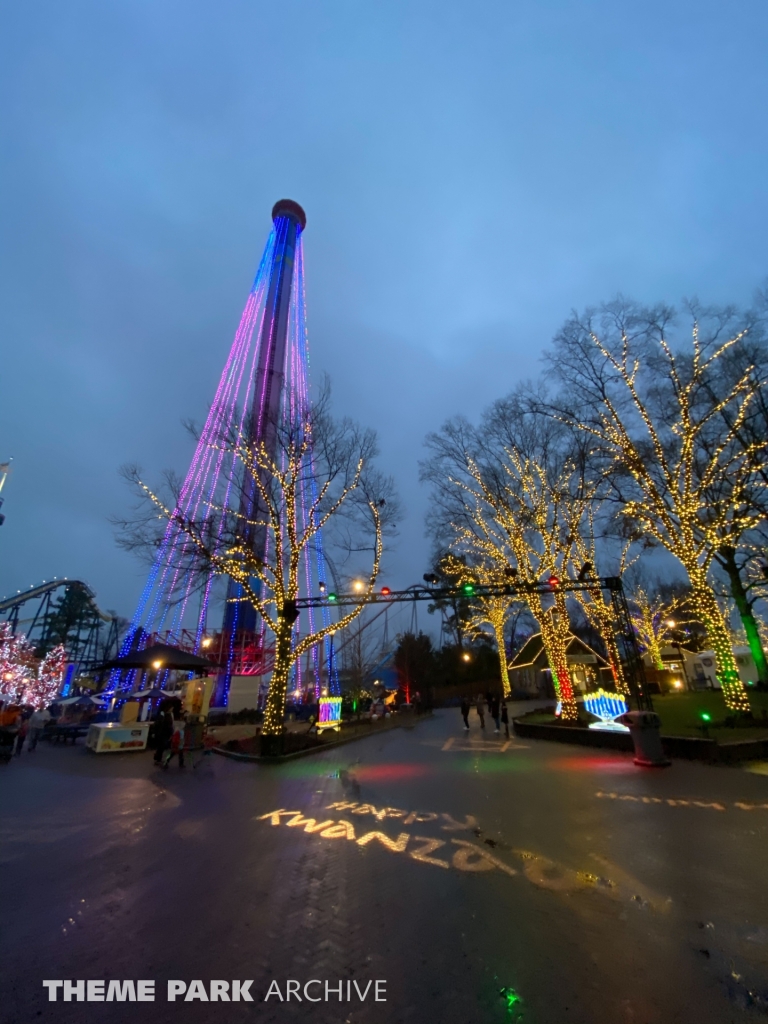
(510, 500)
(319, 481)
(644, 405)
(359, 660)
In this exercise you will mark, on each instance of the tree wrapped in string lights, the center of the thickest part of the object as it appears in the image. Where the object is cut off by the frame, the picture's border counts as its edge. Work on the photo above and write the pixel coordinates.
(321, 482)
(596, 606)
(25, 678)
(664, 440)
(485, 610)
(654, 619)
(44, 685)
(272, 481)
(515, 511)
(18, 664)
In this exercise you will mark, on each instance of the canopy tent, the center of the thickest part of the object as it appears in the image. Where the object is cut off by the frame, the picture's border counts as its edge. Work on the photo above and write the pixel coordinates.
(161, 657)
(83, 701)
(155, 693)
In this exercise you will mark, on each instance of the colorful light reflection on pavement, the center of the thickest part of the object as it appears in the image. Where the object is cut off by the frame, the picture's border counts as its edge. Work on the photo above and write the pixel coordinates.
(591, 890)
(595, 763)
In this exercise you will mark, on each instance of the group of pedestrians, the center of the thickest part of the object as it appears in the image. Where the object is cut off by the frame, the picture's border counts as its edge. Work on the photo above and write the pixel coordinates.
(497, 709)
(29, 728)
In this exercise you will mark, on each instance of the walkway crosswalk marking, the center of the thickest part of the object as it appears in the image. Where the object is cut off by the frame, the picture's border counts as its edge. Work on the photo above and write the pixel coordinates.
(483, 747)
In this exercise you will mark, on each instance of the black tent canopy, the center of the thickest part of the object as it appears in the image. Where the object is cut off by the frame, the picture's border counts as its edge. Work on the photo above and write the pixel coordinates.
(169, 658)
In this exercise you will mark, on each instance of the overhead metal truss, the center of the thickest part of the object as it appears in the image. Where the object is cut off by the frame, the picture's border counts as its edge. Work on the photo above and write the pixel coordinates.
(624, 631)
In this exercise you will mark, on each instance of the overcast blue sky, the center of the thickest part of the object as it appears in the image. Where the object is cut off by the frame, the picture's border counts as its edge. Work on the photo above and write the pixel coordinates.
(470, 172)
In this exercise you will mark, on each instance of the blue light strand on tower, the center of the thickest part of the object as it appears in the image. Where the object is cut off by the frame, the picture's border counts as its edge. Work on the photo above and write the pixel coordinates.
(265, 381)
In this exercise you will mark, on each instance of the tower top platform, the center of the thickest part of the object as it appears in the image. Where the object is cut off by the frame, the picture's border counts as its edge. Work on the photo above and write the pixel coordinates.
(288, 208)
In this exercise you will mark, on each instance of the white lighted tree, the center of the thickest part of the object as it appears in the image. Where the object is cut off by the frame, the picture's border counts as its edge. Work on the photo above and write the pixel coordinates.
(485, 609)
(655, 619)
(25, 678)
(320, 479)
(664, 443)
(512, 510)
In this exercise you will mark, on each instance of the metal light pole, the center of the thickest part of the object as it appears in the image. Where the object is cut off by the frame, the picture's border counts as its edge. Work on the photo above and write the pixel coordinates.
(676, 644)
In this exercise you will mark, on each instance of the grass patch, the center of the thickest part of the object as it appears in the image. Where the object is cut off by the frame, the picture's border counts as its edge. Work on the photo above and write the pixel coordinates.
(539, 718)
(681, 715)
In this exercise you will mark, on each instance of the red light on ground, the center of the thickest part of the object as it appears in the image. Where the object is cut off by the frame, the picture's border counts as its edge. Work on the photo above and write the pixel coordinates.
(391, 772)
(617, 764)
(385, 591)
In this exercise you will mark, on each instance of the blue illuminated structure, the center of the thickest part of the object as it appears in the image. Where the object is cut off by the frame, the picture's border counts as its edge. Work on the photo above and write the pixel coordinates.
(265, 381)
(606, 707)
(330, 714)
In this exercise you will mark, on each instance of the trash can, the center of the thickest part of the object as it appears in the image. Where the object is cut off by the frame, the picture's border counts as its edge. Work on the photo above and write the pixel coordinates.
(644, 729)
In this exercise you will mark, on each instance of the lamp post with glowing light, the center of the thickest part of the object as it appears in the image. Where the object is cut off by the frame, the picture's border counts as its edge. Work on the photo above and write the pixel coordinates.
(676, 644)
(157, 665)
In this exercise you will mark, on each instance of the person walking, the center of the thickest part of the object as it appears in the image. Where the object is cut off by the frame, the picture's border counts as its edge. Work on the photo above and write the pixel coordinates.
(505, 717)
(177, 744)
(465, 706)
(37, 723)
(21, 734)
(163, 733)
(493, 707)
(479, 708)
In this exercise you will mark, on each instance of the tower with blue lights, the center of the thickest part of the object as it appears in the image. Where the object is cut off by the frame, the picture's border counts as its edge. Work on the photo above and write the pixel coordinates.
(265, 379)
(239, 628)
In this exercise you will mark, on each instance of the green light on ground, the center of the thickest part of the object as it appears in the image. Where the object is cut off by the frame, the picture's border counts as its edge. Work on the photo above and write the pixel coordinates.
(511, 999)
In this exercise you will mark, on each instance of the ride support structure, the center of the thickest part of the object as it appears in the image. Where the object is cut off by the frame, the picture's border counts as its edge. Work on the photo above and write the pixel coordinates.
(64, 611)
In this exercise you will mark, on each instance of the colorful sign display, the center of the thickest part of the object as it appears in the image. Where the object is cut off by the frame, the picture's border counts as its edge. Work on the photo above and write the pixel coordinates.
(330, 713)
(111, 737)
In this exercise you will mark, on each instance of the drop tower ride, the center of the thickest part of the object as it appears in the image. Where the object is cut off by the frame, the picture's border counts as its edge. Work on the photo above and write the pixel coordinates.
(289, 220)
(265, 381)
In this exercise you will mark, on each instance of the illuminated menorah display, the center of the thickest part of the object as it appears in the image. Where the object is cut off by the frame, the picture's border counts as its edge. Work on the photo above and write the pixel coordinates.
(606, 707)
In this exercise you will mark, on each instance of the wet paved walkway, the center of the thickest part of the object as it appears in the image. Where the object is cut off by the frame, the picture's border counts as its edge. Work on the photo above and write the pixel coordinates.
(450, 866)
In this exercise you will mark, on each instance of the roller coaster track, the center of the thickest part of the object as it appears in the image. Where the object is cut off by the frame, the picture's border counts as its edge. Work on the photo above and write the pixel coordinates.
(84, 646)
(47, 587)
